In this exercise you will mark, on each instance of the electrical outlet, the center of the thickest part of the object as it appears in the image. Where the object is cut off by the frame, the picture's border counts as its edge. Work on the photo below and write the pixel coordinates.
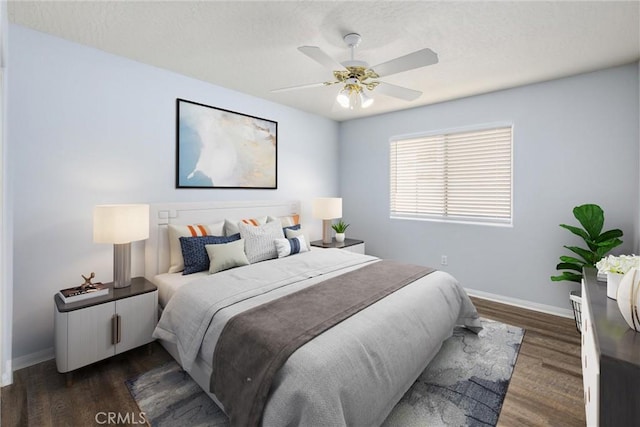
(444, 260)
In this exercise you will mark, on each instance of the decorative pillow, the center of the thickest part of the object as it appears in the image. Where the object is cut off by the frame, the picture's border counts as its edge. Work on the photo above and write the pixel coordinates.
(290, 233)
(194, 252)
(286, 247)
(231, 225)
(286, 221)
(177, 231)
(258, 241)
(226, 255)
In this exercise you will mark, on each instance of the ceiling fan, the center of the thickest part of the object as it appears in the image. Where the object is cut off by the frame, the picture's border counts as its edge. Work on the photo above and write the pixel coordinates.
(358, 76)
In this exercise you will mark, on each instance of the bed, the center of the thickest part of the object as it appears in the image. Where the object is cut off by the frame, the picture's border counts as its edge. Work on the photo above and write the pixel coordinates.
(351, 374)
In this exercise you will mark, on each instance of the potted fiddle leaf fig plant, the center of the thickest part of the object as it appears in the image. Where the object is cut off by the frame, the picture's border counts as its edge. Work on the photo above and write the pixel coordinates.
(598, 243)
(340, 227)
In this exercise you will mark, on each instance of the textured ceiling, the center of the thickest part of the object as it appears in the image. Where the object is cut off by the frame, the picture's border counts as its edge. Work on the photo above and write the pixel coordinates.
(252, 46)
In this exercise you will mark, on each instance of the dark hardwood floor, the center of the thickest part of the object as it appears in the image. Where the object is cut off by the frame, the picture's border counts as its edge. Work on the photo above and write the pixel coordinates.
(546, 386)
(39, 395)
(545, 390)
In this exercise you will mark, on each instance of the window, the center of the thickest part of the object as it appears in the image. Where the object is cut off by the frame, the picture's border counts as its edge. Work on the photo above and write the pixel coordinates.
(458, 176)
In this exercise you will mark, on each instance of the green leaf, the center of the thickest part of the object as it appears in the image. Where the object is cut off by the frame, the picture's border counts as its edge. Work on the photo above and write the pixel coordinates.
(573, 260)
(592, 245)
(605, 247)
(609, 235)
(568, 276)
(591, 217)
(569, 266)
(588, 256)
(575, 230)
(611, 243)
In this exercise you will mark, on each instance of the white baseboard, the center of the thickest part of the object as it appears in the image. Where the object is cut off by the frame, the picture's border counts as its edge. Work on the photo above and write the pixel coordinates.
(7, 374)
(543, 308)
(33, 358)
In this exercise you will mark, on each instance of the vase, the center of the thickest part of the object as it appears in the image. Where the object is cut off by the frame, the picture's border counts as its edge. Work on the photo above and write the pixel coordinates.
(613, 281)
(629, 298)
(340, 237)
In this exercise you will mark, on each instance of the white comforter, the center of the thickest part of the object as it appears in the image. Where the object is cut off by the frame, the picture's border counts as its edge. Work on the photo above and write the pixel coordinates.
(354, 373)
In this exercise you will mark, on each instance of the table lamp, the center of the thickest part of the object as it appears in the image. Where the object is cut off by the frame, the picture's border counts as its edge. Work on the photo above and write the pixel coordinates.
(326, 209)
(121, 225)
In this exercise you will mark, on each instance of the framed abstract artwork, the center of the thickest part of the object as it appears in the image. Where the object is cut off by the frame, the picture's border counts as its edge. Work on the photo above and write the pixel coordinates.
(218, 148)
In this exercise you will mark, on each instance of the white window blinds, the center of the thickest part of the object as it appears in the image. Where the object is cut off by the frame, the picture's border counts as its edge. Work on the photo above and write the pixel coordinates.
(462, 176)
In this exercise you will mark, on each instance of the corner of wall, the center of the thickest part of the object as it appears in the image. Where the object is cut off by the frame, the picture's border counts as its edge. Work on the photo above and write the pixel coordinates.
(6, 225)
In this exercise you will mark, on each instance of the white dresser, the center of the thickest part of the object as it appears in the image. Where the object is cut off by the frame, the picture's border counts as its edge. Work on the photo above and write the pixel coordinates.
(590, 364)
(610, 359)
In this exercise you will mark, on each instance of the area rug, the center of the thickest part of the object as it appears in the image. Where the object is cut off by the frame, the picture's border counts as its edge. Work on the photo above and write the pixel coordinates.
(464, 385)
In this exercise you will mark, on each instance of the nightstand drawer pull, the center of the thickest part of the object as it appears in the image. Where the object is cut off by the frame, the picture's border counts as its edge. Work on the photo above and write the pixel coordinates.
(116, 329)
(119, 335)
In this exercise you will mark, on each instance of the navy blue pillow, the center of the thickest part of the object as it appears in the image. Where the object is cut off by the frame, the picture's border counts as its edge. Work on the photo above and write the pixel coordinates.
(194, 253)
(291, 227)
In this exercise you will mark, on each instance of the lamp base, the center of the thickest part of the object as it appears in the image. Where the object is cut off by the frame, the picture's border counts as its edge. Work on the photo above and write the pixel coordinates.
(121, 265)
(326, 231)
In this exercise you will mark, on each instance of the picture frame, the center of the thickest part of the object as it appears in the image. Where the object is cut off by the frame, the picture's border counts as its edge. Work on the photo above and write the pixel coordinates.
(218, 148)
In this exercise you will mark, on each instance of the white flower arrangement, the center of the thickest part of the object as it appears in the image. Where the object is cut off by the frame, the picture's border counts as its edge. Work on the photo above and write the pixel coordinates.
(618, 264)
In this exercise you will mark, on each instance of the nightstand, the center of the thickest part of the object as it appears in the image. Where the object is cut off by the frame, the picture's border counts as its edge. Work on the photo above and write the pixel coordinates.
(352, 245)
(97, 328)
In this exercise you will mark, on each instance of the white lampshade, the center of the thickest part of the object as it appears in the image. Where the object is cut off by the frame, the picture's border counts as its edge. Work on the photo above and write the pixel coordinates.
(343, 98)
(365, 100)
(327, 207)
(120, 223)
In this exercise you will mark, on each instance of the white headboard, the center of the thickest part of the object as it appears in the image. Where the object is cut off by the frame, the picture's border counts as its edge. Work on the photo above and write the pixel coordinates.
(156, 249)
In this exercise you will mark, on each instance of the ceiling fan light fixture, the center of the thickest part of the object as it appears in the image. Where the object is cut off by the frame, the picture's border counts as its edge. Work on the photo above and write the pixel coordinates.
(365, 100)
(343, 98)
(352, 96)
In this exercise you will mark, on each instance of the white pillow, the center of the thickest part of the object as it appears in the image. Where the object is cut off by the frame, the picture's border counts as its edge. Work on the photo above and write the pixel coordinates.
(258, 240)
(224, 256)
(192, 230)
(286, 221)
(286, 247)
(290, 234)
(231, 225)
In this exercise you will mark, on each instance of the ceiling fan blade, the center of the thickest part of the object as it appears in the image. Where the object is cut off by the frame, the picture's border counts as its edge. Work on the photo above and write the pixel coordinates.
(320, 57)
(398, 91)
(417, 59)
(310, 85)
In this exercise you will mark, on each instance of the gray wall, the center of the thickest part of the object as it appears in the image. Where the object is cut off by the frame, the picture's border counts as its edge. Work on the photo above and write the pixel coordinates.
(575, 141)
(85, 128)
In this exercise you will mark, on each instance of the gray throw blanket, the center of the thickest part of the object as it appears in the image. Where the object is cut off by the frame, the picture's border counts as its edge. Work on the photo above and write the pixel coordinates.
(256, 343)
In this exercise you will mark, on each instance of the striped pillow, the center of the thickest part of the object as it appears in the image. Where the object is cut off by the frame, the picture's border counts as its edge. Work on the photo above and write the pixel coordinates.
(258, 241)
(231, 225)
(286, 247)
(290, 233)
(192, 230)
